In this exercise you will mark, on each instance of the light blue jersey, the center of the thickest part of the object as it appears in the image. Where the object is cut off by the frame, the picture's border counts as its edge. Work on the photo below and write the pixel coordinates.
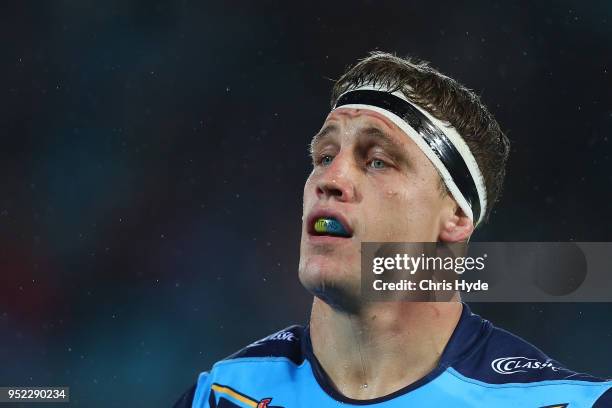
(481, 366)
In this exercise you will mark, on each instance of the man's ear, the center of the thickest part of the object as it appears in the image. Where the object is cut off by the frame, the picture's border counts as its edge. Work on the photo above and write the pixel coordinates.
(457, 227)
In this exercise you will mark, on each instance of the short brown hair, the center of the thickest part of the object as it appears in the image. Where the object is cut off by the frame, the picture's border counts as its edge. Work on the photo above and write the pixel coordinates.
(444, 98)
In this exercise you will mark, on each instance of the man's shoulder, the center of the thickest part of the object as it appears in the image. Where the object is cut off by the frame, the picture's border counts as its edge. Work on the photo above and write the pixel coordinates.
(285, 344)
(506, 364)
(505, 358)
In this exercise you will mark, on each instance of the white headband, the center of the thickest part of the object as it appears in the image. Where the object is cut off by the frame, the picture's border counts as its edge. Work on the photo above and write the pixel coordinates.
(432, 143)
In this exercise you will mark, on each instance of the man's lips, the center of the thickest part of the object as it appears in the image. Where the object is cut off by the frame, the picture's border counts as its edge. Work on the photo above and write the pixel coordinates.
(328, 213)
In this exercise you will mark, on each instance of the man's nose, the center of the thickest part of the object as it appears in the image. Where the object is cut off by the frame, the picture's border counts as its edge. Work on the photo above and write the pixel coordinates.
(338, 179)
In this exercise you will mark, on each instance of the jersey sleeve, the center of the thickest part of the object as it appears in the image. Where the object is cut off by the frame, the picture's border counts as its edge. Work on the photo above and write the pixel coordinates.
(282, 344)
(195, 397)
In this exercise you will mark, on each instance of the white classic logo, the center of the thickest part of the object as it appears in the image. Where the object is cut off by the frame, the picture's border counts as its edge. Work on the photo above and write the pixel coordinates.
(511, 365)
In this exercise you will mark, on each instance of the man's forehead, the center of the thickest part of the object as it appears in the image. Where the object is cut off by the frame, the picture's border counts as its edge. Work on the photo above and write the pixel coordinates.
(363, 118)
(365, 114)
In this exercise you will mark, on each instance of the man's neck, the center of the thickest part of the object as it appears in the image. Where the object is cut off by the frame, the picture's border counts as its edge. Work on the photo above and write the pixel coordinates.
(384, 347)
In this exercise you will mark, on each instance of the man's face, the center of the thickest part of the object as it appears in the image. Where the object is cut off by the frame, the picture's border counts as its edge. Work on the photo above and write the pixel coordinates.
(373, 179)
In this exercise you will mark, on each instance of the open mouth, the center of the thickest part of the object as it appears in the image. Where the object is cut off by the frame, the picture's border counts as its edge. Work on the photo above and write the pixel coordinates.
(329, 226)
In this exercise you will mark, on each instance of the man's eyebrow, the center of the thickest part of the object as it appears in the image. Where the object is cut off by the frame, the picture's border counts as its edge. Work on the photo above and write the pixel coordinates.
(386, 141)
(323, 133)
(372, 133)
(378, 134)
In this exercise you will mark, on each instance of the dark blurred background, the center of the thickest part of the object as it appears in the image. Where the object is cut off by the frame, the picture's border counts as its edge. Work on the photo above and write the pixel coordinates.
(153, 155)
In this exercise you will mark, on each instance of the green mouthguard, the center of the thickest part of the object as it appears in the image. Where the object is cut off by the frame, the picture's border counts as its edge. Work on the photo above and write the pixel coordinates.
(330, 226)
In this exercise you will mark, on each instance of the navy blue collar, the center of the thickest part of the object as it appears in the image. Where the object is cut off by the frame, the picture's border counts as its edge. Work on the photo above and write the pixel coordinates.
(469, 334)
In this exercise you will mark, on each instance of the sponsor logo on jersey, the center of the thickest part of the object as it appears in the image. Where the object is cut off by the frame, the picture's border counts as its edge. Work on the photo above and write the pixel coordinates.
(519, 364)
(283, 335)
(223, 396)
(264, 403)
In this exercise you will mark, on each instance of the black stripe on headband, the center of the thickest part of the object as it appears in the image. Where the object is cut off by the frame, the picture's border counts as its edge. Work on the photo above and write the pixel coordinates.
(433, 136)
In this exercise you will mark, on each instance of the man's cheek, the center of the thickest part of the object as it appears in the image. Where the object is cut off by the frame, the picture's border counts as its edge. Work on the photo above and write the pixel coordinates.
(393, 219)
(309, 193)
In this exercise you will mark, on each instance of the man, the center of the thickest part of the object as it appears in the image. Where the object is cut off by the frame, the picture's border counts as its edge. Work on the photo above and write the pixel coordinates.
(406, 155)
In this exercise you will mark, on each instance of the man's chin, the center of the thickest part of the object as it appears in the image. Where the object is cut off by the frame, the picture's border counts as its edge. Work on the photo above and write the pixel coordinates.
(339, 290)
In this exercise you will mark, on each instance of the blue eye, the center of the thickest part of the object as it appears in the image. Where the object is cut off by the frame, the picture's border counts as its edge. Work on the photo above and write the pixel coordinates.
(326, 160)
(378, 164)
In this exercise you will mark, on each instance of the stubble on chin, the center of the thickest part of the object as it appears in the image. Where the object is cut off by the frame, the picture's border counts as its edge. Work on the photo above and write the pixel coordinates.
(338, 289)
